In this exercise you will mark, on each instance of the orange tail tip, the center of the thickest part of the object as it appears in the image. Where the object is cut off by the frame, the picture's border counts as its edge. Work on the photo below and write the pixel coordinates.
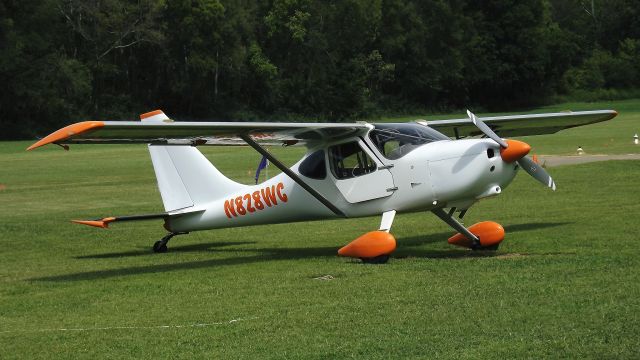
(370, 245)
(489, 232)
(150, 114)
(516, 151)
(67, 132)
(534, 158)
(156, 115)
(104, 223)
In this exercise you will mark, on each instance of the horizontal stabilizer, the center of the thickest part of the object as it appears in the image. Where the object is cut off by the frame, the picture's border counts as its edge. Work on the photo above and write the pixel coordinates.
(104, 222)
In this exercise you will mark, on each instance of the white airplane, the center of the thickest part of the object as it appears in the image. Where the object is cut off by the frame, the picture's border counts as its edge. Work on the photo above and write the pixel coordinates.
(350, 170)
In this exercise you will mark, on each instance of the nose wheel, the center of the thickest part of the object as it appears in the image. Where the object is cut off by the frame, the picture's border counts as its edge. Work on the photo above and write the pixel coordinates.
(485, 235)
(160, 246)
(487, 248)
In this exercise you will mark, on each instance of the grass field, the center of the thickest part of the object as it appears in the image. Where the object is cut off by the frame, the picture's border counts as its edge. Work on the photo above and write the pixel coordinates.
(565, 282)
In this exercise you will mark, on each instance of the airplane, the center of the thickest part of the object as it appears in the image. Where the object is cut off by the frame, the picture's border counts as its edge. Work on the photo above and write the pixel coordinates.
(349, 170)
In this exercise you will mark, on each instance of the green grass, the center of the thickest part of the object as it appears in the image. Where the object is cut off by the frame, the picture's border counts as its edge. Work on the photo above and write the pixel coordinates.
(565, 282)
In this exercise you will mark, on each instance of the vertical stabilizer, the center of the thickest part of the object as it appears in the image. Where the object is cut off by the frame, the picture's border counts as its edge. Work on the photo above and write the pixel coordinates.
(186, 178)
(174, 194)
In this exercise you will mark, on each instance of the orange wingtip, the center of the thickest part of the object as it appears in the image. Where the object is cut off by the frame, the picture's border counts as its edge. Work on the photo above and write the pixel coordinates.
(150, 114)
(104, 223)
(67, 132)
(369, 245)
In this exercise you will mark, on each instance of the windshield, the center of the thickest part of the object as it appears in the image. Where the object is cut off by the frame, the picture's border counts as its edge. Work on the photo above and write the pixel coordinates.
(397, 140)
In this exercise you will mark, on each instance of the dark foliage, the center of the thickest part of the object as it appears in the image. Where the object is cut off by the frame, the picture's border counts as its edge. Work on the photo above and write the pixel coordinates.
(68, 60)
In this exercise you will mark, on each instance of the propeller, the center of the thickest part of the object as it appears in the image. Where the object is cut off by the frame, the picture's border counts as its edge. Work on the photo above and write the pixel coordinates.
(514, 150)
(537, 172)
(487, 130)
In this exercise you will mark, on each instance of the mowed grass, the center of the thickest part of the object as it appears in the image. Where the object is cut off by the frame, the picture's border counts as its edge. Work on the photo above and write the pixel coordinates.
(565, 282)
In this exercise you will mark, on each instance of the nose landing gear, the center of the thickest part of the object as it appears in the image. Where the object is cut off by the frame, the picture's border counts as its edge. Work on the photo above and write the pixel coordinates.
(485, 235)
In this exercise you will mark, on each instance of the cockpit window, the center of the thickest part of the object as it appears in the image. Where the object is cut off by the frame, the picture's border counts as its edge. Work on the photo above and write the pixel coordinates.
(350, 160)
(314, 166)
(397, 140)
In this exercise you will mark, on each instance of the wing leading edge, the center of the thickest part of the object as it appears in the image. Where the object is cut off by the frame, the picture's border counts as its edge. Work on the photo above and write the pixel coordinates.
(198, 133)
(166, 131)
(522, 125)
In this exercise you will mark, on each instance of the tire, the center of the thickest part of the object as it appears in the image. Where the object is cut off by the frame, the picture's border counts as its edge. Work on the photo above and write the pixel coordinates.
(381, 259)
(159, 247)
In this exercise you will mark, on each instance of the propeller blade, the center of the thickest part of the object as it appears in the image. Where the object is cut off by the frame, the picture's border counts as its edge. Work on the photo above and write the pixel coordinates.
(537, 172)
(487, 130)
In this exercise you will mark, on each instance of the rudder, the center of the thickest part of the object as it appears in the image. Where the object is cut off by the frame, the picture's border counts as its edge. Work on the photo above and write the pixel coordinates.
(187, 178)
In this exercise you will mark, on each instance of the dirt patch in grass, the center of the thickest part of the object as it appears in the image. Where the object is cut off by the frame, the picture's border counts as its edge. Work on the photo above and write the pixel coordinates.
(511, 255)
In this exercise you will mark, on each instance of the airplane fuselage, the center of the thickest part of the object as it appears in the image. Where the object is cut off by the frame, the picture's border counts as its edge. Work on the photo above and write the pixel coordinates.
(443, 173)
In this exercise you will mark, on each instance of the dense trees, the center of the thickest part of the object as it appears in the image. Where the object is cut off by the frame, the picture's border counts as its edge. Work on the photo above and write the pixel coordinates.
(66, 60)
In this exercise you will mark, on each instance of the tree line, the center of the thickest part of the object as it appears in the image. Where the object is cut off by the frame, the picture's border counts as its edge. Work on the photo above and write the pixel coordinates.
(68, 60)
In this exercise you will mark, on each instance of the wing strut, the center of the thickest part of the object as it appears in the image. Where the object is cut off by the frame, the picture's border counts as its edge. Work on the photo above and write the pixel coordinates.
(291, 174)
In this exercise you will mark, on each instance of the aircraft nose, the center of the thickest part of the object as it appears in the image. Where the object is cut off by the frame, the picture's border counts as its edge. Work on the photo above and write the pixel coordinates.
(515, 151)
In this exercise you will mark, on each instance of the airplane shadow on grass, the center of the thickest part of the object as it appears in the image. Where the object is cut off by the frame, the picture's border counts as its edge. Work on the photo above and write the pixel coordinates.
(406, 248)
(180, 248)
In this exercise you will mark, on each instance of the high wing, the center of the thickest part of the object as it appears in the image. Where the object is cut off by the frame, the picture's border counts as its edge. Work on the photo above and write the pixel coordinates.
(157, 128)
(166, 131)
(521, 125)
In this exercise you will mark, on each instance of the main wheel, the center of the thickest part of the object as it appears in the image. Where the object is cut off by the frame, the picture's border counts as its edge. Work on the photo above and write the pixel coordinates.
(380, 259)
(159, 247)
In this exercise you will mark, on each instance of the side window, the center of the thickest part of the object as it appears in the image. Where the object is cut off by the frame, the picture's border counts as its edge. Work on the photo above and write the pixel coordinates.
(349, 160)
(314, 166)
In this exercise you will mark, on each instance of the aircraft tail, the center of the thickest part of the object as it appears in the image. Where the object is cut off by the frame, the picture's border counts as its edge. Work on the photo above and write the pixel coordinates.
(185, 177)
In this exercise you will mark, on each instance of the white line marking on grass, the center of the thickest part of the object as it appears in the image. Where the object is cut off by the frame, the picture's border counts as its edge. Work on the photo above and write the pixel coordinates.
(132, 327)
(324, 277)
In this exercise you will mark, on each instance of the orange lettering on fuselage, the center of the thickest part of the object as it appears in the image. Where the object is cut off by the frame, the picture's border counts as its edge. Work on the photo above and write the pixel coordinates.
(269, 196)
(229, 209)
(257, 200)
(251, 202)
(281, 195)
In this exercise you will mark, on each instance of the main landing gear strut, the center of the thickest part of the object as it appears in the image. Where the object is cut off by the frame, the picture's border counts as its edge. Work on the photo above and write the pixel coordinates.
(160, 246)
